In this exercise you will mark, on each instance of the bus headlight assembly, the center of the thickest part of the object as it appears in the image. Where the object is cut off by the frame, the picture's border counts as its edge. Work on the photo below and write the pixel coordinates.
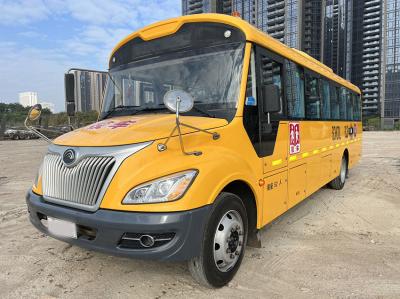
(164, 189)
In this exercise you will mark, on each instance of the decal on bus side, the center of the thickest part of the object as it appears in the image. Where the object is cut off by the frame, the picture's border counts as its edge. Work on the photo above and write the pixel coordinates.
(294, 135)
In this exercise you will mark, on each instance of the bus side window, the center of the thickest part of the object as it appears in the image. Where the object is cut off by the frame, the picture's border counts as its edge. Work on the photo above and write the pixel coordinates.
(269, 71)
(343, 103)
(326, 100)
(250, 113)
(294, 90)
(357, 107)
(335, 106)
(313, 98)
(349, 105)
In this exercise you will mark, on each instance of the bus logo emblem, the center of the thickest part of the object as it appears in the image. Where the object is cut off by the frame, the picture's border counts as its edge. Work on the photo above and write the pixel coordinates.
(69, 156)
(294, 135)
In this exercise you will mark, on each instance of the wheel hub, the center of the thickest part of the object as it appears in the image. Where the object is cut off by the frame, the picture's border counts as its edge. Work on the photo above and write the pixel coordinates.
(228, 241)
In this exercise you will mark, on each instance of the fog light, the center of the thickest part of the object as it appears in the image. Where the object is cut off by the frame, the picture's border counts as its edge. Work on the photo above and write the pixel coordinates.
(146, 241)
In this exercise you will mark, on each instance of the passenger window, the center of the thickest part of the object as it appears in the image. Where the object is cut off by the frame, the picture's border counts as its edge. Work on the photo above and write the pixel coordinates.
(326, 100)
(343, 103)
(271, 73)
(313, 100)
(357, 107)
(295, 90)
(250, 113)
(335, 106)
(350, 105)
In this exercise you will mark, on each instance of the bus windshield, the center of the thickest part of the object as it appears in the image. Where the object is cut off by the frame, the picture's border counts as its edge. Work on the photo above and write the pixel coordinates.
(211, 75)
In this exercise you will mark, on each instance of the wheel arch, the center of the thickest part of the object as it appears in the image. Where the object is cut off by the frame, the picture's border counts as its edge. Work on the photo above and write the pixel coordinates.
(245, 192)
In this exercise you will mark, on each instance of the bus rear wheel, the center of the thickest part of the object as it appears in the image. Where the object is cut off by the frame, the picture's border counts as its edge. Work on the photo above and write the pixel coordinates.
(340, 180)
(223, 244)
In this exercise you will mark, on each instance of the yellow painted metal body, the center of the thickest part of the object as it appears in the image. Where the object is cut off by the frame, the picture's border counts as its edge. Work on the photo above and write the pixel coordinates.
(278, 182)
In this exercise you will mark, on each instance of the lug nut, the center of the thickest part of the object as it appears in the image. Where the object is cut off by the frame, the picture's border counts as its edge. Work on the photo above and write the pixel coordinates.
(232, 256)
(237, 252)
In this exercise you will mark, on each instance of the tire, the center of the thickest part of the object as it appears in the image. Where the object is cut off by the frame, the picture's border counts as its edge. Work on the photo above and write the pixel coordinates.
(223, 243)
(340, 180)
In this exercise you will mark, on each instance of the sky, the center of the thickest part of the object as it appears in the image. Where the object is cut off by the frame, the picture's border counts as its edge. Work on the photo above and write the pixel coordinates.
(41, 39)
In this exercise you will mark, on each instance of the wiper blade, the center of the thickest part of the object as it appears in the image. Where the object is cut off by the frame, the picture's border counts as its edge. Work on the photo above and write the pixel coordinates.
(204, 112)
(120, 108)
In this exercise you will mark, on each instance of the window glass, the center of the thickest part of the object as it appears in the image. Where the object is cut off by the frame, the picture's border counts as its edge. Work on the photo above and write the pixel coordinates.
(312, 97)
(342, 103)
(335, 106)
(326, 100)
(271, 73)
(357, 107)
(349, 105)
(295, 90)
(251, 113)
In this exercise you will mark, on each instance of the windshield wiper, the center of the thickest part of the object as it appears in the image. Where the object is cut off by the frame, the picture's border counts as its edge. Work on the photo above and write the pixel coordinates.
(204, 112)
(153, 109)
(120, 108)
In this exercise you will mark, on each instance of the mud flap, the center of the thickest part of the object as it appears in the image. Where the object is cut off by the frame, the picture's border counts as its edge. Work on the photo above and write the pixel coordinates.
(254, 239)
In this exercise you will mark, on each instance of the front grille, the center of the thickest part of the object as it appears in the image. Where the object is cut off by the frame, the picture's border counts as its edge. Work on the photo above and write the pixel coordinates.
(80, 184)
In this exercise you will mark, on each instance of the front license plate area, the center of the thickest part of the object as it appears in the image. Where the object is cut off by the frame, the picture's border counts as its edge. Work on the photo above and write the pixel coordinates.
(61, 228)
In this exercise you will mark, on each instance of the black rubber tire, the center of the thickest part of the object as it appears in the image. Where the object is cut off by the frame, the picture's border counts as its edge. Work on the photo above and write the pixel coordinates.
(203, 268)
(338, 183)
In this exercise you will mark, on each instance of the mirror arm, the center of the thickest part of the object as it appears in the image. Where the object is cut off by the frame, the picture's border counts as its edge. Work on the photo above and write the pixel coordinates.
(163, 146)
(36, 132)
(214, 134)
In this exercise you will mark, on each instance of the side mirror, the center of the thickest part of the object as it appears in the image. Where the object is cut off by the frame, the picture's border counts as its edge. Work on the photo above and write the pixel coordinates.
(271, 98)
(69, 81)
(70, 108)
(178, 101)
(35, 112)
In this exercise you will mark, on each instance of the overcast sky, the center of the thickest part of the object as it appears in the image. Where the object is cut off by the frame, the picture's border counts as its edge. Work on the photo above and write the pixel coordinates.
(41, 39)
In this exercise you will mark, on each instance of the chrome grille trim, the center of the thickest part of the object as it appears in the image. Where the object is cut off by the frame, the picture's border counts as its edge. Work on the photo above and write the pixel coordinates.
(80, 184)
(83, 184)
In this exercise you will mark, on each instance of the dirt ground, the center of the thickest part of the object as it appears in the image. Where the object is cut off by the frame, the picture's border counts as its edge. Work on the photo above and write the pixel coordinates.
(334, 244)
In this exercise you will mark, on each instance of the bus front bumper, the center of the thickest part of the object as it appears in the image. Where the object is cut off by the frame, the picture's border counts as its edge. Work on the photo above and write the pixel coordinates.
(177, 236)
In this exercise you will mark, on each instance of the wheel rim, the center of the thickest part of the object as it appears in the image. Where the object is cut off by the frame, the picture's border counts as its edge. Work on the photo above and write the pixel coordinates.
(228, 241)
(343, 171)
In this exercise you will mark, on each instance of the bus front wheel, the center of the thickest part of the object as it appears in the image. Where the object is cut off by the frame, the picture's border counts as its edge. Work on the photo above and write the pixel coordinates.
(340, 180)
(223, 243)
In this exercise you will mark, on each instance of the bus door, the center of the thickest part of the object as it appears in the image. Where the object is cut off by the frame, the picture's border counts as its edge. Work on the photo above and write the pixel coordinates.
(273, 135)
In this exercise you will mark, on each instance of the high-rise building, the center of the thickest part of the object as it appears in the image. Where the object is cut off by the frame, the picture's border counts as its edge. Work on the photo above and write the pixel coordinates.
(190, 7)
(337, 43)
(358, 39)
(371, 60)
(89, 87)
(28, 98)
(390, 61)
(294, 22)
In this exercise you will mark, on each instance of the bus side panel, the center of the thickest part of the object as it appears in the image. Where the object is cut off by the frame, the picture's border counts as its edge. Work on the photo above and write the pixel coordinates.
(275, 196)
(326, 168)
(297, 184)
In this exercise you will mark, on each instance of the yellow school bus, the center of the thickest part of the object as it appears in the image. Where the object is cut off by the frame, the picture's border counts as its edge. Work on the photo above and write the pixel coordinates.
(210, 129)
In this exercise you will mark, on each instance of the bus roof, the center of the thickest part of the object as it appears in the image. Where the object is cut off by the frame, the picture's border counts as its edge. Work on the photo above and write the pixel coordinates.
(252, 34)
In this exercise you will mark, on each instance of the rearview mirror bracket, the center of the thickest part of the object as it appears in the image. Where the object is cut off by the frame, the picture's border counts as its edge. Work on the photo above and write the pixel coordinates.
(163, 146)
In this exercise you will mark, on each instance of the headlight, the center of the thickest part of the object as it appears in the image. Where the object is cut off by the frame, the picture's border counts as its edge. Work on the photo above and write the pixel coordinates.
(165, 189)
